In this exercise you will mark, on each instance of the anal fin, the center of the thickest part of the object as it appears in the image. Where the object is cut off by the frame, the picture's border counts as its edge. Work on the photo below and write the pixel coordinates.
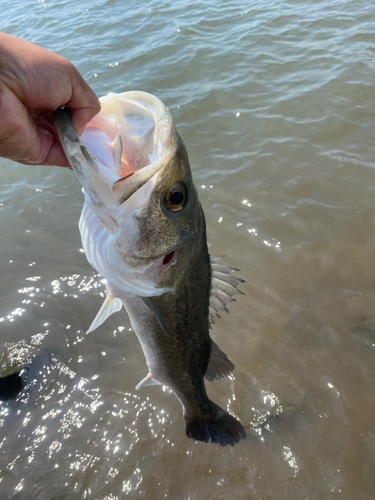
(148, 380)
(109, 306)
(219, 365)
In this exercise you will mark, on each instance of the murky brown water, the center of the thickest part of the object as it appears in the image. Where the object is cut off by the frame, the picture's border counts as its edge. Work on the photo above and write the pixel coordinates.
(276, 104)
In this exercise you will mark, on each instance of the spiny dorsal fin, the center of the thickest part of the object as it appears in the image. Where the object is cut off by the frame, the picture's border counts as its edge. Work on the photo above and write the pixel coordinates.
(223, 287)
(110, 305)
(148, 380)
(217, 304)
(221, 296)
(219, 365)
(228, 278)
(213, 313)
(215, 258)
(224, 272)
(223, 269)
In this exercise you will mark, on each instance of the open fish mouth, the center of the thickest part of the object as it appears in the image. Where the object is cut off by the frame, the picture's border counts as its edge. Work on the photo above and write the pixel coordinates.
(122, 147)
(132, 131)
(132, 137)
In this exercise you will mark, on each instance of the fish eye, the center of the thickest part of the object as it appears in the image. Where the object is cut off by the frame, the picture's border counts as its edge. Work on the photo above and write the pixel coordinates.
(176, 197)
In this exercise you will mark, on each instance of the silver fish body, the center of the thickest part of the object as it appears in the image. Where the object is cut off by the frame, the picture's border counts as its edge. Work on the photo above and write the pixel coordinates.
(143, 230)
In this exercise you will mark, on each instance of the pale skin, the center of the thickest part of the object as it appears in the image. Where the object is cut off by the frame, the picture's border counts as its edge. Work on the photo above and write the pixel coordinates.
(33, 83)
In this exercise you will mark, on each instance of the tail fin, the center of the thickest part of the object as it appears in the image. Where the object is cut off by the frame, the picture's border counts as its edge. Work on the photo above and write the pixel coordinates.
(216, 427)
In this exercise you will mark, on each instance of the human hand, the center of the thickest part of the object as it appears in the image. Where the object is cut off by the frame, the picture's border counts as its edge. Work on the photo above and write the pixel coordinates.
(33, 83)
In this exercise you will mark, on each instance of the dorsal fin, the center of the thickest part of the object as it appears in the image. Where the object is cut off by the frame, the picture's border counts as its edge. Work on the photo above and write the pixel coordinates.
(213, 312)
(223, 287)
(219, 364)
(110, 305)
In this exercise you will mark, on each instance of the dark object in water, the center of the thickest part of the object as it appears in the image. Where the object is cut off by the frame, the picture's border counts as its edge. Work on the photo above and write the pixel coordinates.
(10, 386)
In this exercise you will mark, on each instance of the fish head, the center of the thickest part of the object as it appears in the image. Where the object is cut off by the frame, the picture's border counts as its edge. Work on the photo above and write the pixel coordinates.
(158, 222)
(169, 224)
(136, 177)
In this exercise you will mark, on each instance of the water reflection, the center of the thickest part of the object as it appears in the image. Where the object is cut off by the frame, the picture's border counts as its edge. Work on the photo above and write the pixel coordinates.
(80, 284)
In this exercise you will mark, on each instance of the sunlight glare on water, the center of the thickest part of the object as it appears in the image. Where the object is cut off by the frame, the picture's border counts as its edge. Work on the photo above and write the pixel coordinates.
(275, 102)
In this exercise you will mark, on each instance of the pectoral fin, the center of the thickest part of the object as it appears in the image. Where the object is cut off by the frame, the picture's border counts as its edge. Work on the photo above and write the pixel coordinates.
(155, 311)
(110, 306)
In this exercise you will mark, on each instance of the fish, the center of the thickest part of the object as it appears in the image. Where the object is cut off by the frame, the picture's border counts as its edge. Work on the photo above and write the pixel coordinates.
(143, 230)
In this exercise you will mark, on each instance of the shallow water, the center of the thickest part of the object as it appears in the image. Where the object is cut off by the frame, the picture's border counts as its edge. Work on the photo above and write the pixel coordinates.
(276, 105)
